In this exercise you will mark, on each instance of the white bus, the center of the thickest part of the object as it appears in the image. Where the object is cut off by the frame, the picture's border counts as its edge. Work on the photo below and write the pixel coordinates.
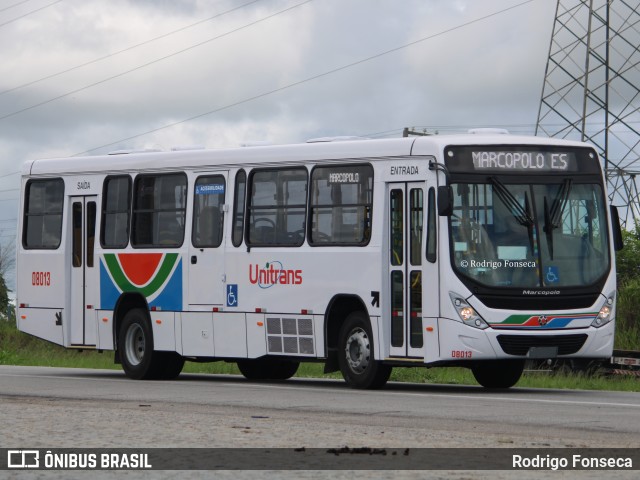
(477, 250)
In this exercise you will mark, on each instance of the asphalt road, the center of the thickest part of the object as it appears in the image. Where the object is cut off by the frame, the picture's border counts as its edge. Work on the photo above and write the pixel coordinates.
(55, 407)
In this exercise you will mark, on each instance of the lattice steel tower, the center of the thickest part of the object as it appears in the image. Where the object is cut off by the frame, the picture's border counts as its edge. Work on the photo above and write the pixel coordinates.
(591, 90)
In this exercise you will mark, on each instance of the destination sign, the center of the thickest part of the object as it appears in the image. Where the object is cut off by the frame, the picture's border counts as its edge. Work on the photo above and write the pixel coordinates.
(513, 159)
(541, 161)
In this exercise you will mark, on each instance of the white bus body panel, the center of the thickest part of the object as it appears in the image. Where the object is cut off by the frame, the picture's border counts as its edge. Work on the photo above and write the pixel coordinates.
(105, 329)
(196, 334)
(228, 326)
(41, 281)
(164, 327)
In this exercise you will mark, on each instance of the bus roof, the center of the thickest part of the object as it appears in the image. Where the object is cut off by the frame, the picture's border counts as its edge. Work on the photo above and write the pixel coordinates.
(274, 155)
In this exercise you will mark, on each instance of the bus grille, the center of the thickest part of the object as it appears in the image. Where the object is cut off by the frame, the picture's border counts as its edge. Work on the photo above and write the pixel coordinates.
(520, 344)
(290, 336)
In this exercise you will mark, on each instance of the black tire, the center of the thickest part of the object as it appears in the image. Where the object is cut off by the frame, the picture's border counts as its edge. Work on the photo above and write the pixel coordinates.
(356, 354)
(253, 369)
(283, 369)
(166, 365)
(498, 373)
(268, 369)
(135, 343)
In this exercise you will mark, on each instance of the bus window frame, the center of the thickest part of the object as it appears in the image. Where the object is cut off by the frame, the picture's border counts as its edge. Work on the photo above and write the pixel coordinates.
(25, 214)
(249, 206)
(195, 214)
(311, 207)
(154, 211)
(239, 213)
(432, 227)
(104, 212)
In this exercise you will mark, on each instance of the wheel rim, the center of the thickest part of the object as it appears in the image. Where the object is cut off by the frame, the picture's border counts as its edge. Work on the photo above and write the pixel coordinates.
(358, 350)
(134, 344)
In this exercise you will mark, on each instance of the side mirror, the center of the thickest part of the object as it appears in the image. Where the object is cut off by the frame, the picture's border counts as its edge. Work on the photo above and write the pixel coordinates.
(445, 201)
(618, 244)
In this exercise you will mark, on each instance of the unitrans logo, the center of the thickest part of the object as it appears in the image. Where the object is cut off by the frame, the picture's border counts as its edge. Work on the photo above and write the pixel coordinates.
(274, 274)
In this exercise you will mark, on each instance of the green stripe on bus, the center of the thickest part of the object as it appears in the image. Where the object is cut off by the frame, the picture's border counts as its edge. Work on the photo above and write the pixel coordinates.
(125, 285)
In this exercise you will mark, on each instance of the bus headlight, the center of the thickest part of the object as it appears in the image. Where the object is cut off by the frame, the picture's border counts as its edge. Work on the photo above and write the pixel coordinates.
(605, 315)
(467, 313)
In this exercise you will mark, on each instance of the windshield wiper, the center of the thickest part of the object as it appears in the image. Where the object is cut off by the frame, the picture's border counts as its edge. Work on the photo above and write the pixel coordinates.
(553, 217)
(520, 213)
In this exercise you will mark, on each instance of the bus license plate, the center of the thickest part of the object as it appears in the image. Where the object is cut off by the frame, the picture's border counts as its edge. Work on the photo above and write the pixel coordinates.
(542, 352)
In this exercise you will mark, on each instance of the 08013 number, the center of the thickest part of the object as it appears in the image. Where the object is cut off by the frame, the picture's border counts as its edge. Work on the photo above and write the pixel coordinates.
(41, 279)
(461, 353)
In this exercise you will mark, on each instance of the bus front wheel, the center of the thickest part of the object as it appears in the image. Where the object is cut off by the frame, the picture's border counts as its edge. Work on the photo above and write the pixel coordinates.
(358, 365)
(498, 373)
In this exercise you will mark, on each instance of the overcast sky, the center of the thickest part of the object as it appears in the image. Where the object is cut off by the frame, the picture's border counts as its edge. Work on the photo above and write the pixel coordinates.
(96, 76)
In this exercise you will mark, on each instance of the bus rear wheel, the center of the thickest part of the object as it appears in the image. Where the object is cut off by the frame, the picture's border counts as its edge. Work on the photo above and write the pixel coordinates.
(498, 373)
(268, 368)
(356, 354)
(139, 361)
(167, 365)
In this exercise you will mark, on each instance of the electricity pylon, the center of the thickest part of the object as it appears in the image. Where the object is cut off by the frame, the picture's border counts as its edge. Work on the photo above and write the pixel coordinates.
(591, 90)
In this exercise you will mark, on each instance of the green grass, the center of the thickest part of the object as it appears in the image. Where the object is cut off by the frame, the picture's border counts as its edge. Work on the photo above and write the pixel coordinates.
(17, 348)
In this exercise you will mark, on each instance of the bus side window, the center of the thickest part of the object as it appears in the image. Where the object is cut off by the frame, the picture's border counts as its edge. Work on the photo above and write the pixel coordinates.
(277, 207)
(207, 211)
(116, 210)
(159, 210)
(341, 202)
(43, 214)
(432, 236)
(238, 207)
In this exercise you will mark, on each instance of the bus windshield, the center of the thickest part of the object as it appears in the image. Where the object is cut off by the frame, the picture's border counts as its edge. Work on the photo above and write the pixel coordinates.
(530, 236)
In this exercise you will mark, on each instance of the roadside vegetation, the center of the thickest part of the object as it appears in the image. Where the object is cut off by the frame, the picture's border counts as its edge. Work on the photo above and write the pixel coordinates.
(17, 348)
(628, 305)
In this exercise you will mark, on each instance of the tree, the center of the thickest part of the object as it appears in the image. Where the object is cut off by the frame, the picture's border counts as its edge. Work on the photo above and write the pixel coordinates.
(628, 259)
(628, 298)
(7, 261)
(4, 296)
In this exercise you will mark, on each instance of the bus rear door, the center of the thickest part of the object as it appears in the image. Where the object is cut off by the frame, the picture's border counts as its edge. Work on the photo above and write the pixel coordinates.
(83, 270)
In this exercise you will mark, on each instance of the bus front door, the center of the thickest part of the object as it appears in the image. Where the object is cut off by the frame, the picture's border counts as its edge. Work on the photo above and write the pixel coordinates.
(405, 213)
(83, 270)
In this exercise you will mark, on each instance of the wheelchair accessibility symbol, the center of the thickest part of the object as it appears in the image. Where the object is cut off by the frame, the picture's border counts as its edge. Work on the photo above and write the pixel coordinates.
(552, 275)
(232, 295)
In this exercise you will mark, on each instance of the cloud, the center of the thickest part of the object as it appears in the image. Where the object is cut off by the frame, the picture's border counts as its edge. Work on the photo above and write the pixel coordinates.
(429, 79)
(488, 72)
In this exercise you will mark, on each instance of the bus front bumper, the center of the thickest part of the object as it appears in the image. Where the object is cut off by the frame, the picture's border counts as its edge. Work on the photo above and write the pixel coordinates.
(458, 342)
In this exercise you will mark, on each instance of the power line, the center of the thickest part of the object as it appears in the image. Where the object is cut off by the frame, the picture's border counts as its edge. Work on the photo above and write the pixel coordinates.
(132, 47)
(384, 133)
(313, 77)
(29, 13)
(153, 62)
(14, 5)
(9, 174)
